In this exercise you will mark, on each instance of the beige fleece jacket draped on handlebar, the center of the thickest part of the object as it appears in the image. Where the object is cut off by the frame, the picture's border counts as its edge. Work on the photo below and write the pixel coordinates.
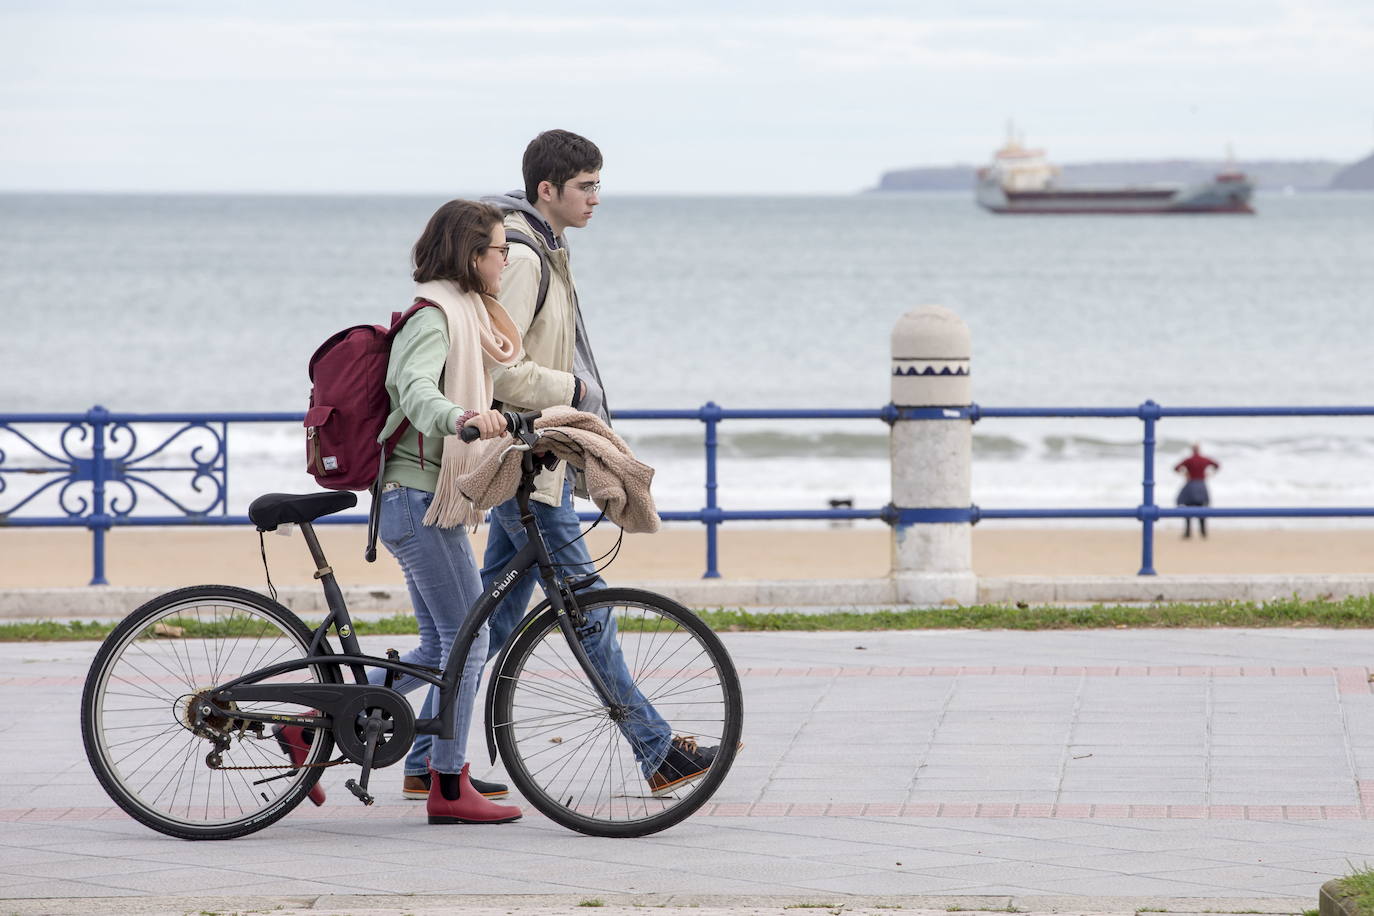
(616, 481)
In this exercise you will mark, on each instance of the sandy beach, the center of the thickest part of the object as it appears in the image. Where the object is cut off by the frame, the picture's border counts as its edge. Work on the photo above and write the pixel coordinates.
(44, 558)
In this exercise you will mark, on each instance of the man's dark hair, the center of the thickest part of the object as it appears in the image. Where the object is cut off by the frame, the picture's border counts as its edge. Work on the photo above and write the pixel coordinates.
(448, 249)
(556, 156)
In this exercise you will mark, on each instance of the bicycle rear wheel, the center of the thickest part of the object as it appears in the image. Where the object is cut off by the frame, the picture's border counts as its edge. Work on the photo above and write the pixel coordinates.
(138, 728)
(586, 764)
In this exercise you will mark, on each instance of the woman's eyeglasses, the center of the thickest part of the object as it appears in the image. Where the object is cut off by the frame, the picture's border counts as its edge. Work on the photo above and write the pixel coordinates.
(504, 249)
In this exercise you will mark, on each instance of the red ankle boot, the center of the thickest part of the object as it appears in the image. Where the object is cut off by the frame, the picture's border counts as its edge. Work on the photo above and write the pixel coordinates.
(470, 807)
(291, 739)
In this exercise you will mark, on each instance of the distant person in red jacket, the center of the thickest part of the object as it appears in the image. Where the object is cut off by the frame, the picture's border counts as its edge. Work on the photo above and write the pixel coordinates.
(1194, 492)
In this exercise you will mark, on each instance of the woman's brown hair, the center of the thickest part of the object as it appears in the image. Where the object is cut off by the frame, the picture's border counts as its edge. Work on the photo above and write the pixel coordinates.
(457, 234)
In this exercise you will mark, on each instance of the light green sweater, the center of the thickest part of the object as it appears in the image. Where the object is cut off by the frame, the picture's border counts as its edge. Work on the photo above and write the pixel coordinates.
(414, 380)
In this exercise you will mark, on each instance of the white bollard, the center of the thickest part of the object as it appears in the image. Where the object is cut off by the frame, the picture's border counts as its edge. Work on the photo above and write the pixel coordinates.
(932, 448)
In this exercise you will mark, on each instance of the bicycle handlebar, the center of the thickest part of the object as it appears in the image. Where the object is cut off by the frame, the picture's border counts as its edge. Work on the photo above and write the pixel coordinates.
(516, 424)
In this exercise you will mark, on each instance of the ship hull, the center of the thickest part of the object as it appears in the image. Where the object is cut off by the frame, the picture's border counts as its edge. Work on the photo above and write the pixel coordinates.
(1219, 196)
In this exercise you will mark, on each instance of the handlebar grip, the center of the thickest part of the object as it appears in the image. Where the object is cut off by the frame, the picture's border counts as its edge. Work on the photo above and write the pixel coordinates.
(469, 433)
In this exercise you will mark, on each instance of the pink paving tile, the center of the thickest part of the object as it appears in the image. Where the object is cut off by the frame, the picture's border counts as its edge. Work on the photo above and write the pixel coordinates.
(1319, 671)
(12, 814)
(1302, 812)
(1264, 812)
(1226, 812)
(996, 810)
(1092, 671)
(823, 672)
(82, 814)
(1193, 671)
(1352, 681)
(1290, 672)
(1070, 670)
(112, 814)
(1111, 810)
(1035, 810)
(1038, 670)
(855, 672)
(1132, 671)
(1073, 810)
(44, 814)
(1255, 671)
(945, 671)
(886, 810)
(706, 810)
(761, 672)
(884, 672)
(1366, 785)
(1187, 811)
(980, 670)
(849, 809)
(1164, 671)
(958, 810)
(917, 672)
(1016, 670)
(769, 809)
(734, 809)
(808, 810)
(1226, 671)
(1342, 813)
(920, 810)
(793, 672)
(1149, 810)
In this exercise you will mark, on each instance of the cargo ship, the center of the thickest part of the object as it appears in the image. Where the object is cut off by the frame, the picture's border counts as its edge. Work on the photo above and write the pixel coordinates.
(1021, 180)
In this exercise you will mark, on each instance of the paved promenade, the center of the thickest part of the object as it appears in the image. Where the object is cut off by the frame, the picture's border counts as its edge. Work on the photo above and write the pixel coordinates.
(1193, 770)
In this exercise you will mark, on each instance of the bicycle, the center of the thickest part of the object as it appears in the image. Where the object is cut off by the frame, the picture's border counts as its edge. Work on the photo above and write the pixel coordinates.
(185, 737)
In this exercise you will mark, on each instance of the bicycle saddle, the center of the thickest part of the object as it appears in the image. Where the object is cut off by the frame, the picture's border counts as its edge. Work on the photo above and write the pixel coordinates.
(273, 509)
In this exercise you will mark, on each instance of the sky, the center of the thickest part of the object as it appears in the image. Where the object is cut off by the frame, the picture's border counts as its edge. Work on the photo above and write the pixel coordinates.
(710, 96)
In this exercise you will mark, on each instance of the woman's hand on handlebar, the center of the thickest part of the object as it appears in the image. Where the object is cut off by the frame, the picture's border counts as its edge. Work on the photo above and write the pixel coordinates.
(489, 424)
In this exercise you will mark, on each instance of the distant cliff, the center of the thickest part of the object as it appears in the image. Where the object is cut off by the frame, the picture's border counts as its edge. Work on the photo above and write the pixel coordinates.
(1358, 176)
(1302, 175)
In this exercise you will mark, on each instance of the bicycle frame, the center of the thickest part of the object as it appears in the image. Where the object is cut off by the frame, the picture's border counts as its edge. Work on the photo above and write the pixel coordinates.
(535, 554)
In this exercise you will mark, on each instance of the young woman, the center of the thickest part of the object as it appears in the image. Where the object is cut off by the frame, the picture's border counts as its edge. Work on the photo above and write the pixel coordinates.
(439, 378)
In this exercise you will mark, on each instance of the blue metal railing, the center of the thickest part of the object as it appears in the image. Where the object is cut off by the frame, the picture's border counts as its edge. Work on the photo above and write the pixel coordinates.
(117, 459)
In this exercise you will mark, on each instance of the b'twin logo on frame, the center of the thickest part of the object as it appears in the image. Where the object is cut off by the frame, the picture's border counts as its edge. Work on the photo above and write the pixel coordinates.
(501, 586)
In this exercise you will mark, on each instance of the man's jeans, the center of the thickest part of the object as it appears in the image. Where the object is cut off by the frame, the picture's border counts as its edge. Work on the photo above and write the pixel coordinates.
(645, 729)
(441, 573)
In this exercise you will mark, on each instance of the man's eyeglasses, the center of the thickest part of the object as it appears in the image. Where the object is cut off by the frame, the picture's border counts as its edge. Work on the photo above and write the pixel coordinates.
(589, 188)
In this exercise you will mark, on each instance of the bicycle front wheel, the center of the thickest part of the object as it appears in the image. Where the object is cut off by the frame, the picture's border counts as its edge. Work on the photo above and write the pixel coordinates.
(212, 780)
(647, 759)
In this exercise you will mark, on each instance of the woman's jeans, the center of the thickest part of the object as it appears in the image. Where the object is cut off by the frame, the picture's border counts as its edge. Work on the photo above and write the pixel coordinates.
(441, 573)
(645, 729)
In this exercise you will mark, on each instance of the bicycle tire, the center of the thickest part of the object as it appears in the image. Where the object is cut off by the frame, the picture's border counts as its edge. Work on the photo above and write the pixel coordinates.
(134, 720)
(559, 743)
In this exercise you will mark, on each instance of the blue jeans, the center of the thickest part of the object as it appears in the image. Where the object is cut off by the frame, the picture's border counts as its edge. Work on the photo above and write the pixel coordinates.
(645, 729)
(441, 573)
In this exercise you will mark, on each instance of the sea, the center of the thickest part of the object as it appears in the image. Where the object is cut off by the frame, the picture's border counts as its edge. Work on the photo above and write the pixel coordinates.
(148, 303)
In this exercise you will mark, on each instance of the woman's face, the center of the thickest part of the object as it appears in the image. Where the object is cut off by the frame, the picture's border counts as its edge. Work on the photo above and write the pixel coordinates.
(492, 260)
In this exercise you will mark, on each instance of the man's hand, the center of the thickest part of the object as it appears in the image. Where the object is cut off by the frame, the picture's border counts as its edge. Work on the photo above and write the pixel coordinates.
(490, 423)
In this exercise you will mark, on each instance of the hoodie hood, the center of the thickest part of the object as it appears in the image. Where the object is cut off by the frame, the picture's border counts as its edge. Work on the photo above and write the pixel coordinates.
(515, 200)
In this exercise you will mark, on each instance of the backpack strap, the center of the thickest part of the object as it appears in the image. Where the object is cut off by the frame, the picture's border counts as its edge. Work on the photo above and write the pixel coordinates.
(398, 320)
(520, 238)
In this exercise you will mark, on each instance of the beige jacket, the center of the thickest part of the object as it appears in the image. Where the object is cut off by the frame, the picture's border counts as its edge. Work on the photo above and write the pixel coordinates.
(543, 377)
(617, 482)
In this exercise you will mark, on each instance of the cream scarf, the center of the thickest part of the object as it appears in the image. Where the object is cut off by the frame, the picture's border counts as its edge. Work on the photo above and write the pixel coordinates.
(477, 324)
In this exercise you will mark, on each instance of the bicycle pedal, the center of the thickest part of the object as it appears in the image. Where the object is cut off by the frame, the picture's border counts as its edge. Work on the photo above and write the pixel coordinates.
(361, 793)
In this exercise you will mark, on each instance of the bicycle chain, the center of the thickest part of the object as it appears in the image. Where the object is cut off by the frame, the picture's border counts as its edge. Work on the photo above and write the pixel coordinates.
(287, 766)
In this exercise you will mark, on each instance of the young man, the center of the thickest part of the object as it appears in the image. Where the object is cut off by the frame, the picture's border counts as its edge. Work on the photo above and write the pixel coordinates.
(562, 173)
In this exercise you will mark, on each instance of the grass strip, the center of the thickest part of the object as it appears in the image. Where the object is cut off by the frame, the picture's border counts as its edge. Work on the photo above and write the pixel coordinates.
(1284, 612)
(1359, 886)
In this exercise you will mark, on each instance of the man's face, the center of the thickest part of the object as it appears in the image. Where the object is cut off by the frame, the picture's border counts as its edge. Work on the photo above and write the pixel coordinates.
(572, 204)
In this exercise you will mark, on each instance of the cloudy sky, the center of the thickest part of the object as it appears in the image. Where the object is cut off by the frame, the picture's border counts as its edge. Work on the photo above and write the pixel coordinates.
(707, 96)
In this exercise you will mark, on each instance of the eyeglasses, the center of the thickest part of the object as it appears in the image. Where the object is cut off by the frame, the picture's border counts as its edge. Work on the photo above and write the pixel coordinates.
(504, 249)
(589, 188)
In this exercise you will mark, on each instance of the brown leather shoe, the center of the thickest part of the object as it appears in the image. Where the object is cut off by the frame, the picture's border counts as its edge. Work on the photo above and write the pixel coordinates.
(468, 808)
(417, 787)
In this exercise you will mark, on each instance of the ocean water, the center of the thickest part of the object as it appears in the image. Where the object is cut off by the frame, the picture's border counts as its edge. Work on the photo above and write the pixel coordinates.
(149, 303)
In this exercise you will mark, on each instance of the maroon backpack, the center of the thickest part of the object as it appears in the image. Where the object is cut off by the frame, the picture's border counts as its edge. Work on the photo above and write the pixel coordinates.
(349, 406)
